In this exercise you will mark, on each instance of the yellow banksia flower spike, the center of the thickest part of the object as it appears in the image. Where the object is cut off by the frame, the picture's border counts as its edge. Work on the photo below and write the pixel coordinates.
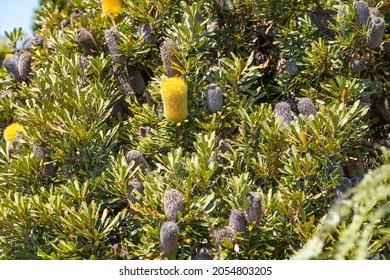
(112, 8)
(174, 97)
(304, 139)
(344, 93)
(11, 131)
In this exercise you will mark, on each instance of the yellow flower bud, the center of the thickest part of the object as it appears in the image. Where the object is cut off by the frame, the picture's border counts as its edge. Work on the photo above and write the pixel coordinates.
(174, 97)
(112, 7)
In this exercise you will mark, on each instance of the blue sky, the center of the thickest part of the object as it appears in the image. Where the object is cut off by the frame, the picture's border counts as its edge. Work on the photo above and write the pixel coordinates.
(17, 13)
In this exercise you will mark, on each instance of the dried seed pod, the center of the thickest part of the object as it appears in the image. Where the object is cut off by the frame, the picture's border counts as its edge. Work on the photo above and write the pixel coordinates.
(134, 185)
(292, 68)
(345, 184)
(86, 41)
(214, 98)
(112, 37)
(375, 32)
(11, 65)
(237, 220)
(173, 204)
(24, 64)
(376, 88)
(306, 107)
(223, 232)
(362, 12)
(254, 210)
(168, 58)
(169, 235)
(358, 65)
(283, 110)
(138, 159)
(64, 23)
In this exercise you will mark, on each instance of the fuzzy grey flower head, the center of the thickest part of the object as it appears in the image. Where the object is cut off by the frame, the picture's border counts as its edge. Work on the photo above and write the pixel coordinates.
(237, 220)
(214, 98)
(254, 210)
(375, 32)
(168, 58)
(358, 65)
(64, 23)
(138, 159)
(36, 41)
(86, 41)
(203, 254)
(137, 186)
(223, 232)
(112, 37)
(362, 12)
(292, 68)
(74, 16)
(306, 107)
(283, 110)
(173, 204)
(169, 235)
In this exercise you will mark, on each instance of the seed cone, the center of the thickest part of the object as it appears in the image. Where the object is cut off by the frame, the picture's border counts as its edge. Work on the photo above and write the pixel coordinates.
(169, 235)
(173, 204)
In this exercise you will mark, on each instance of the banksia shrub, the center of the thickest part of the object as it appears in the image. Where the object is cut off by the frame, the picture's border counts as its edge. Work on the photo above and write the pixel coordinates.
(169, 235)
(168, 58)
(112, 39)
(306, 107)
(362, 12)
(86, 41)
(174, 98)
(237, 220)
(375, 32)
(173, 204)
(214, 98)
(112, 8)
(254, 211)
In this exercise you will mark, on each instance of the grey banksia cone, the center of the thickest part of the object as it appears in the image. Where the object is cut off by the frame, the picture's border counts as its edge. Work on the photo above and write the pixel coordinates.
(283, 110)
(173, 204)
(375, 32)
(306, 107)
(18, 65)
(112, 37)
(254, 211)
(358, 65)
(169, 235)
(168, 58)
(362, 12)
(85, 39)
(214, 98)
(138, 159)
(237, 220)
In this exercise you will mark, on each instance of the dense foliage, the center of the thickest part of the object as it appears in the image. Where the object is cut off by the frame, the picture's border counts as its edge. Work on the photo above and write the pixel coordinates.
(224, 129)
